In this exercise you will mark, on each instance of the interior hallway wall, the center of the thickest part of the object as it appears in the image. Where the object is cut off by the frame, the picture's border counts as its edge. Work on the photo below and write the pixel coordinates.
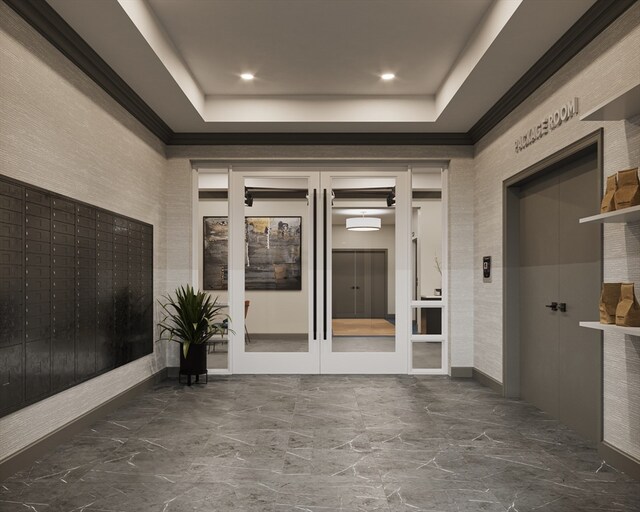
(459, 198)
(180, 189)
(606, 67)
(62, 132)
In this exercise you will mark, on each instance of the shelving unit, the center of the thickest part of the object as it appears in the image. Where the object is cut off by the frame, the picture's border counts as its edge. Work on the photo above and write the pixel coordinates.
(624, 106)
(631, 214)
(620, 216)
(632, 331)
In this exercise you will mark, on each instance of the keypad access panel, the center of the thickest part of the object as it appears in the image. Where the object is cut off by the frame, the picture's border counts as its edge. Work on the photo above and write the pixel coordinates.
(76, 292)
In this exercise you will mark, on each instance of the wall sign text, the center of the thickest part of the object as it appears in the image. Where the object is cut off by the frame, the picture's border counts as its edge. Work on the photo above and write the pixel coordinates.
(548, 124)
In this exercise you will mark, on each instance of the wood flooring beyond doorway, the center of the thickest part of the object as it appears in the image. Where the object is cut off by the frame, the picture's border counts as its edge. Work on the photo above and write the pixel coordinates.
(362, 327)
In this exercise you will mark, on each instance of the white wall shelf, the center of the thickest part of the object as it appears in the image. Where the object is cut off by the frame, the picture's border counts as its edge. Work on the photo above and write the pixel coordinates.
(624, 106)
(619, 216)
(632, 331)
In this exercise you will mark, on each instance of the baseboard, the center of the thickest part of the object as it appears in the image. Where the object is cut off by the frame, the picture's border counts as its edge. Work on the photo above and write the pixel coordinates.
(461, 372)
(487, 381)
(29, 454)
(619, 459)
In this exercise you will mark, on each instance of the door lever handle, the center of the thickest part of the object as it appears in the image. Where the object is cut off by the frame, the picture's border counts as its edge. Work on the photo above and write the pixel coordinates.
(562, 307)
(553, 306)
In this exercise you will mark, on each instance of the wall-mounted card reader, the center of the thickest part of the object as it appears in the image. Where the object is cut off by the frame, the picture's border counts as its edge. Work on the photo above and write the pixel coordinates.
(486, 267)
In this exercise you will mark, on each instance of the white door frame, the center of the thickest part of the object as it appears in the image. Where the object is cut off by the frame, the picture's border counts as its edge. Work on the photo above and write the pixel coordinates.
(345, 363)
(373, 362)
(443, 303)
(244, 362)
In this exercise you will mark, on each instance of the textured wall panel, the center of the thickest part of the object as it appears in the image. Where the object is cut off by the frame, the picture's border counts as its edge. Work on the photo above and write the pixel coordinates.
(607, 66)
(61, 132)
(461, 260)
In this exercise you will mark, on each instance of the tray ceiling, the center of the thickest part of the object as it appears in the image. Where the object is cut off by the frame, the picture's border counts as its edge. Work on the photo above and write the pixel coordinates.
(317, 63)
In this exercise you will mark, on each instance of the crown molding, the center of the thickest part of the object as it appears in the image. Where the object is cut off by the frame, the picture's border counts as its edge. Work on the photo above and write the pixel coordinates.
(320, 139)
(41, 16)
(599, 16)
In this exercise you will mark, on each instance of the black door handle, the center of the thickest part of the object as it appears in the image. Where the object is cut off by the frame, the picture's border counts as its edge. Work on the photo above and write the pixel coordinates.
(324, 264)
(315, 264)
(553, 306)
(562, 307)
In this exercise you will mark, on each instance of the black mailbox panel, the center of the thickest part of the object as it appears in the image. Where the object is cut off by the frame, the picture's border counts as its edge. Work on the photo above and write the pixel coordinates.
(11, 244)
(10, 217)
(76, 292)
(11, 378)
(38, 369)
(63, 216)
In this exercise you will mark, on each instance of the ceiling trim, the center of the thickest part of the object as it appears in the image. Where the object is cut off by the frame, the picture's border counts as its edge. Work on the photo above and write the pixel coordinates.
(320, 139)
(42, 17)
(599, 16)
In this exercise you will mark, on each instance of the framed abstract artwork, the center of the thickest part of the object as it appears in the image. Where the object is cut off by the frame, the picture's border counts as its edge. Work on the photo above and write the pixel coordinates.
(272, 253)
(216, 253)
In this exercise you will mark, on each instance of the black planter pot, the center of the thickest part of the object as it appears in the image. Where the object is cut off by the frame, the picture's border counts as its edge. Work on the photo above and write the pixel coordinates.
(195, 363)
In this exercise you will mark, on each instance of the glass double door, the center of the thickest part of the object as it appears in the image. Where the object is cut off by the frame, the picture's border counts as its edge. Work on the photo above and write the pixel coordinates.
(318, 270)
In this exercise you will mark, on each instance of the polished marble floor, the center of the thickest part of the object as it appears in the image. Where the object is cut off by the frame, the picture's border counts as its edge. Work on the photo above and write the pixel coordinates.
(323, 444)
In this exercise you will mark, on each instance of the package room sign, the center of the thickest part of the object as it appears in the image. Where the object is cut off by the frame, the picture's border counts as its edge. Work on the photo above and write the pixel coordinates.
(548, 124)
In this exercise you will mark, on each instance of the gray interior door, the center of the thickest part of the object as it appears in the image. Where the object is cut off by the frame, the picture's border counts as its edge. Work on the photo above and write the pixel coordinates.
(560, 261)
(359, 283)
(343, 270)
(374, 284)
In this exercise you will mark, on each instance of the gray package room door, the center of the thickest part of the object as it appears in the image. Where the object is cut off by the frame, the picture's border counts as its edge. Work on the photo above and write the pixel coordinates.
(560, 261)
(359, 283)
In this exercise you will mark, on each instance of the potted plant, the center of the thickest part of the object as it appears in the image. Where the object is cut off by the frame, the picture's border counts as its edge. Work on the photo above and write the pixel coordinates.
(192, 318)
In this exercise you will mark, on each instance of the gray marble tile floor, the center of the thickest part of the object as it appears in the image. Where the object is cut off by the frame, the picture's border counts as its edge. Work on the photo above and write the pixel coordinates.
(323, 444)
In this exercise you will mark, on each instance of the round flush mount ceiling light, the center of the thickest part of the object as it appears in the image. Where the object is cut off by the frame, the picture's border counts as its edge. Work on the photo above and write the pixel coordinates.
(387, 76)
(247, 76)
(363, 223)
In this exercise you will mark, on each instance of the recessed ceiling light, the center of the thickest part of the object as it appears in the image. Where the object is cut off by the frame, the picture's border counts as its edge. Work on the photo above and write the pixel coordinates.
(247, 76)
(388, 76)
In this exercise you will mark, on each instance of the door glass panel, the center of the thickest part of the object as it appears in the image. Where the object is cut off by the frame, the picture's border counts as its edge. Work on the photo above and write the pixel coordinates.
(426, 355)
(363, 242)
(213, 208)
(426, 236)
(277, 230)
(426, 320)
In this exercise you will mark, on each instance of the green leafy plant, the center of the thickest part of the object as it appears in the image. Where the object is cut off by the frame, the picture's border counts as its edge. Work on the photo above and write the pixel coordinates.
(191, 317)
